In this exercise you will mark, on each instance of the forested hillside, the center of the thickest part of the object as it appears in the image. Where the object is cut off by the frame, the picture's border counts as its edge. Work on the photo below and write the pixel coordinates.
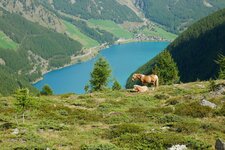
(37, 36)
(97, 9)
(177, 15)
(37, 47)
(196, 50)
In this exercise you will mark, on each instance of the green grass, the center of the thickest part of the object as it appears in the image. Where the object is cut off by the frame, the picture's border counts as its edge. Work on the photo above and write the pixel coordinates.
(157, 31)
(6, 42)
(111, 27)
(75, 33)
(116, 120)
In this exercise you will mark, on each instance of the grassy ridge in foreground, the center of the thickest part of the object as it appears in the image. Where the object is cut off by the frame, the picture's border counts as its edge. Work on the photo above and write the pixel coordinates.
(153, 120)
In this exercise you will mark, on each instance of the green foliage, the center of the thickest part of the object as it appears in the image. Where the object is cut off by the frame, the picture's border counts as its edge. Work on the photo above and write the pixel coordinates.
(119, 130)
(38, 40)
(193, 110)
(46, 90)
(98, 147)
(175, 15)
(116, 86)
(197, 144)
(100, 75)
(111, 27)
(212, 85)
(86, 88)
(23, 99)
(221, 63)
(200, 46)
(152, 140)
(11, 81)
(106, 10)
(97, 34)
(166, 69)
(221, 111)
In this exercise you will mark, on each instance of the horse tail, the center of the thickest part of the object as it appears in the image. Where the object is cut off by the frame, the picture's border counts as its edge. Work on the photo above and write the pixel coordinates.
(157, 81)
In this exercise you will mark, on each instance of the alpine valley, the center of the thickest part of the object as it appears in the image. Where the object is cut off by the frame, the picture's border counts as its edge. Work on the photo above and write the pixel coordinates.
(38, 35)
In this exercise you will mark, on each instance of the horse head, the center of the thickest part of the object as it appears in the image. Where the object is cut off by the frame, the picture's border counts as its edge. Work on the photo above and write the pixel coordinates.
(135, 76)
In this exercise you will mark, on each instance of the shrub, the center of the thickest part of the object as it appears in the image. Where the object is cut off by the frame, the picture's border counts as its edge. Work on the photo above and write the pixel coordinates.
(194, 110)
(116, 86)
(98, 147)
(212, 85)
(23, 101)
(155, 141)
(185, 126)
(161, 96)
(46, 90)
(169, 118)
(197, 144)
(118, 130)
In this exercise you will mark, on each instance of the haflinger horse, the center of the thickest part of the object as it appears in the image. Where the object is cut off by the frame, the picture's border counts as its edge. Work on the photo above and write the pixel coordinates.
(154, 79)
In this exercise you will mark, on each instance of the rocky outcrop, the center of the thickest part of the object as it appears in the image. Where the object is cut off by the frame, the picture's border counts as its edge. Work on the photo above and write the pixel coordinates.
(2, 62)
(220, 145)
(34, 12)
(178, 147)
(204, 102)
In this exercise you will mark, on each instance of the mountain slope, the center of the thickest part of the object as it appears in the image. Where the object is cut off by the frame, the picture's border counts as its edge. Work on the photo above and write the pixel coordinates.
(177, 15)
(196, 50)
(37, 48)
(97, 9)
(113, 120)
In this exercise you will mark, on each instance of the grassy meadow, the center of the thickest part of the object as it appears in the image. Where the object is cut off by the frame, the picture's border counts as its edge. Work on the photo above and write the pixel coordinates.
(75, 34)
(111, 27)
(115, 120)
(6, 42)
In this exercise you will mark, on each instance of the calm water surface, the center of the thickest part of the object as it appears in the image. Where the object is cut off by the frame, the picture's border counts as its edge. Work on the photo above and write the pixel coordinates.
(124, 59)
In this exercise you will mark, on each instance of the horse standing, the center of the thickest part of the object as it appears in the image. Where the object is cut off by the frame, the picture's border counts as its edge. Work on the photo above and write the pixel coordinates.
(154, 79)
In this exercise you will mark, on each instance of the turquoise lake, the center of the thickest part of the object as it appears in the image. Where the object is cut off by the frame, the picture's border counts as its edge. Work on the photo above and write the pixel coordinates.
(124, 59)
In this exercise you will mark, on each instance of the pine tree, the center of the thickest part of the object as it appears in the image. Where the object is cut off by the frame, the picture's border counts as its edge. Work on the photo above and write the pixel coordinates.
(116, 86)
(221, 63)
(46, 90)
(166, 69)
(23, 101)
(100, 75)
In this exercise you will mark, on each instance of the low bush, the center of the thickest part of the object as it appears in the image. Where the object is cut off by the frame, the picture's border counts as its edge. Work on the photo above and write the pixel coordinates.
(98, 147)
(169, 118)
(155, 141)
(194, 110)
(118, 130)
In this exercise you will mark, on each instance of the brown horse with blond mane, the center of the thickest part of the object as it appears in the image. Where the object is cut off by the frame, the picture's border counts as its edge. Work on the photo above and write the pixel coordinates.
(154, 79)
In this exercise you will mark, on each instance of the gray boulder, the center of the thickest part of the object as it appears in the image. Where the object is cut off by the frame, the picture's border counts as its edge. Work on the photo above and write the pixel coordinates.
(178, 147)
(204, 102)
(220, 145)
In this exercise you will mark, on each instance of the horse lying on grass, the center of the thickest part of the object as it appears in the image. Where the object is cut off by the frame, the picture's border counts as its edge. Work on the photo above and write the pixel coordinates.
(154, 79)
(141, 89)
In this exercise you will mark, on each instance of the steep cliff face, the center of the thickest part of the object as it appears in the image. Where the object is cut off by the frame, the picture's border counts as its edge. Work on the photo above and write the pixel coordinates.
(35, 12)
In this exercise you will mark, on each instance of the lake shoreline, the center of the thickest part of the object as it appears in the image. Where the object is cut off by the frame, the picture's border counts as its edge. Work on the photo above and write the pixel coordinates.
(91, 53)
